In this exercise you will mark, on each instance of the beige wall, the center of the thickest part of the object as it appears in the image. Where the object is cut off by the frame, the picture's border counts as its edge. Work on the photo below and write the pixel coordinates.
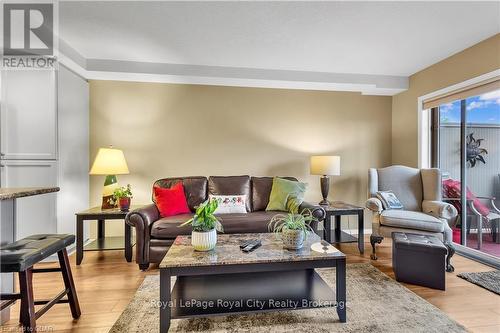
(179, 130)
(479, 59)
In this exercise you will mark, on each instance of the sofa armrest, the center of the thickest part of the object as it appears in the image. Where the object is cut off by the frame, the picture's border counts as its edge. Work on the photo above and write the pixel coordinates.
(141, 219)
(439, 209)
(374, 204)
(317, 212)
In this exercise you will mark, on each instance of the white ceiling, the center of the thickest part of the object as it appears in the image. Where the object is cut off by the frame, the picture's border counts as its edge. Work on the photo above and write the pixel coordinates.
(355, 38)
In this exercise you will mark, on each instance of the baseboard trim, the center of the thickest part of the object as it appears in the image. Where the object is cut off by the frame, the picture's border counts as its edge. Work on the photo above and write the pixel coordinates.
(351, 231)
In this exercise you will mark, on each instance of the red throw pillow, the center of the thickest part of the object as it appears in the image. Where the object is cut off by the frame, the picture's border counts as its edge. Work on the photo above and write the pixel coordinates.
(451, 189)
(171, 201)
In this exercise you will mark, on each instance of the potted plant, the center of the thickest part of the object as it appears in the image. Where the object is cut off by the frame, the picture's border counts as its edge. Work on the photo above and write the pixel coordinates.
(293, 228)
(205, 226)
(123, 195)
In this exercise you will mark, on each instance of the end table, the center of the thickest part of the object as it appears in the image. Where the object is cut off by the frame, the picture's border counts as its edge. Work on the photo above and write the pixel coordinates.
(102, 243)
(337, 209)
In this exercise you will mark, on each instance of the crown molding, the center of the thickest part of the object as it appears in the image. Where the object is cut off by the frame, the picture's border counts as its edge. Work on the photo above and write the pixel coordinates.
(105, 69)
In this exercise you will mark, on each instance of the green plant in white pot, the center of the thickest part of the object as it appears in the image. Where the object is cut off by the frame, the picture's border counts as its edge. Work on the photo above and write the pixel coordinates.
(205, 226)
(293, 228)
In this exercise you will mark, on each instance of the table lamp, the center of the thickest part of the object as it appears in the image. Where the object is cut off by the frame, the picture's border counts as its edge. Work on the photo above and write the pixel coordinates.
(325, 166)
(109, 162)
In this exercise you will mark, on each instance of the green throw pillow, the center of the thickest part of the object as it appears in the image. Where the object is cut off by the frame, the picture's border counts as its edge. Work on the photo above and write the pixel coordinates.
(292, 204)
(280, 192)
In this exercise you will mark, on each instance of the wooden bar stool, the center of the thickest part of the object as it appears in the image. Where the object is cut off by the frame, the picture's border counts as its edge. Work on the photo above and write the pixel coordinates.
(19, 257)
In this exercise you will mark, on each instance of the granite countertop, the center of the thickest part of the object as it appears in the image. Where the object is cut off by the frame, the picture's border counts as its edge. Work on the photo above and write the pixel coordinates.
(227, 251)
(7, 193)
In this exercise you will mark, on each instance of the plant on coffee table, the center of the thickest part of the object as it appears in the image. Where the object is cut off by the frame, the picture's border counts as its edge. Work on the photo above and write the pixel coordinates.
(293, 228)
(205, 226)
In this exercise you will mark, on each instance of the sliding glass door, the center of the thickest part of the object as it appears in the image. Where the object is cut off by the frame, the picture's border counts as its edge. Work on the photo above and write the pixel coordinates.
(466, 147)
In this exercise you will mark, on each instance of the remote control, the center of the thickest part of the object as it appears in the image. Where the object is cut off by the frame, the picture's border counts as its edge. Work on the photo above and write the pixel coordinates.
(246, 243)
(252, 246)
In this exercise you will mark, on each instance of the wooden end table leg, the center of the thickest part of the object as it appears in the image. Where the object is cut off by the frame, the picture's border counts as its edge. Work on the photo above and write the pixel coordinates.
(79, 240)
(128, 243)
(337, 227)
(341, 290)
(328, 228)
(101, 229)
(361, 232)
(164, 300)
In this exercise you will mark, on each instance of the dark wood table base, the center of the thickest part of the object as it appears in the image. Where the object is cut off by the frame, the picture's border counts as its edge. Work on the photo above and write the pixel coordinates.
(249, 289)
(102, 242)
(338, 209)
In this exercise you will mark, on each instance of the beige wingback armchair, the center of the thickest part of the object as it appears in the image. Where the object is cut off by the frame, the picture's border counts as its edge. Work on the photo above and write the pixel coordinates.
(419, 190)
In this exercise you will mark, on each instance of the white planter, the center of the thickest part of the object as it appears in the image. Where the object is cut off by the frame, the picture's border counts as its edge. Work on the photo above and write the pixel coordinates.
(204, 241)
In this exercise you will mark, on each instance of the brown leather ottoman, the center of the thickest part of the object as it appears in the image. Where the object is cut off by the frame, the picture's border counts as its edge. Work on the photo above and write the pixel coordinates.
(419, 259)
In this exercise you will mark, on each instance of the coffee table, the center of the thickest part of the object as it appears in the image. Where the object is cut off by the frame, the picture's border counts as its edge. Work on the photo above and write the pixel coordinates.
(227, 280)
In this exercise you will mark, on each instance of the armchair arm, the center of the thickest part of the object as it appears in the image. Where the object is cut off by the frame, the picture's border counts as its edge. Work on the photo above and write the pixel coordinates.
(439, 209)
(141, 219)
(374, 204)
(316, 210)
(492, 203)
(473, 208)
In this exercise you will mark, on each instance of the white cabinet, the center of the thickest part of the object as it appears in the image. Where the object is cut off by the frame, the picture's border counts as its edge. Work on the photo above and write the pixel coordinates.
(37, 214)
(44, 141)
(73, 148)
(28, 115)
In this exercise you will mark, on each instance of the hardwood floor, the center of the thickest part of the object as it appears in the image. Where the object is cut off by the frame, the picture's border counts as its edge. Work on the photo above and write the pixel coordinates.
(106, 282)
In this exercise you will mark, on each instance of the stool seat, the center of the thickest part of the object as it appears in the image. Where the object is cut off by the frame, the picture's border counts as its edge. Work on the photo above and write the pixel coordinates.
(24, 253)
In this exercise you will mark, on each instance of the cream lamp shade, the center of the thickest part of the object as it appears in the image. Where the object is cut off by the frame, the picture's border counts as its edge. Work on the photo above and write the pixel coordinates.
(109, 161)
(325, 165)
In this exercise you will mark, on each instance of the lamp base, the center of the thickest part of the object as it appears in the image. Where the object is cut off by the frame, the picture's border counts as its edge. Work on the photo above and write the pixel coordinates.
(110, 185)
(324, 203)
(325, 187)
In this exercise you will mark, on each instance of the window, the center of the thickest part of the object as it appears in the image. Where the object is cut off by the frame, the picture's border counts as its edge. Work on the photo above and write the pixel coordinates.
(465, 144)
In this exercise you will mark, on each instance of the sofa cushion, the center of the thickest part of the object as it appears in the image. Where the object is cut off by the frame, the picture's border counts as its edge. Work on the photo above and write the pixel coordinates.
(227, 185)
(246, 223)
(195, 189)
(255, 222)
(411, 220)
(168, 227)
(261, 189)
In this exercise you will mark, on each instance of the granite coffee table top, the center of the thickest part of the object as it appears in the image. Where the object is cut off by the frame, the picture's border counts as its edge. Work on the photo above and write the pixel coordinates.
(227, 251)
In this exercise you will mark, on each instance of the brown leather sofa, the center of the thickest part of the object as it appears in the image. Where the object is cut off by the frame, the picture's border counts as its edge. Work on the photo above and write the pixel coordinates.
(154, 234)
